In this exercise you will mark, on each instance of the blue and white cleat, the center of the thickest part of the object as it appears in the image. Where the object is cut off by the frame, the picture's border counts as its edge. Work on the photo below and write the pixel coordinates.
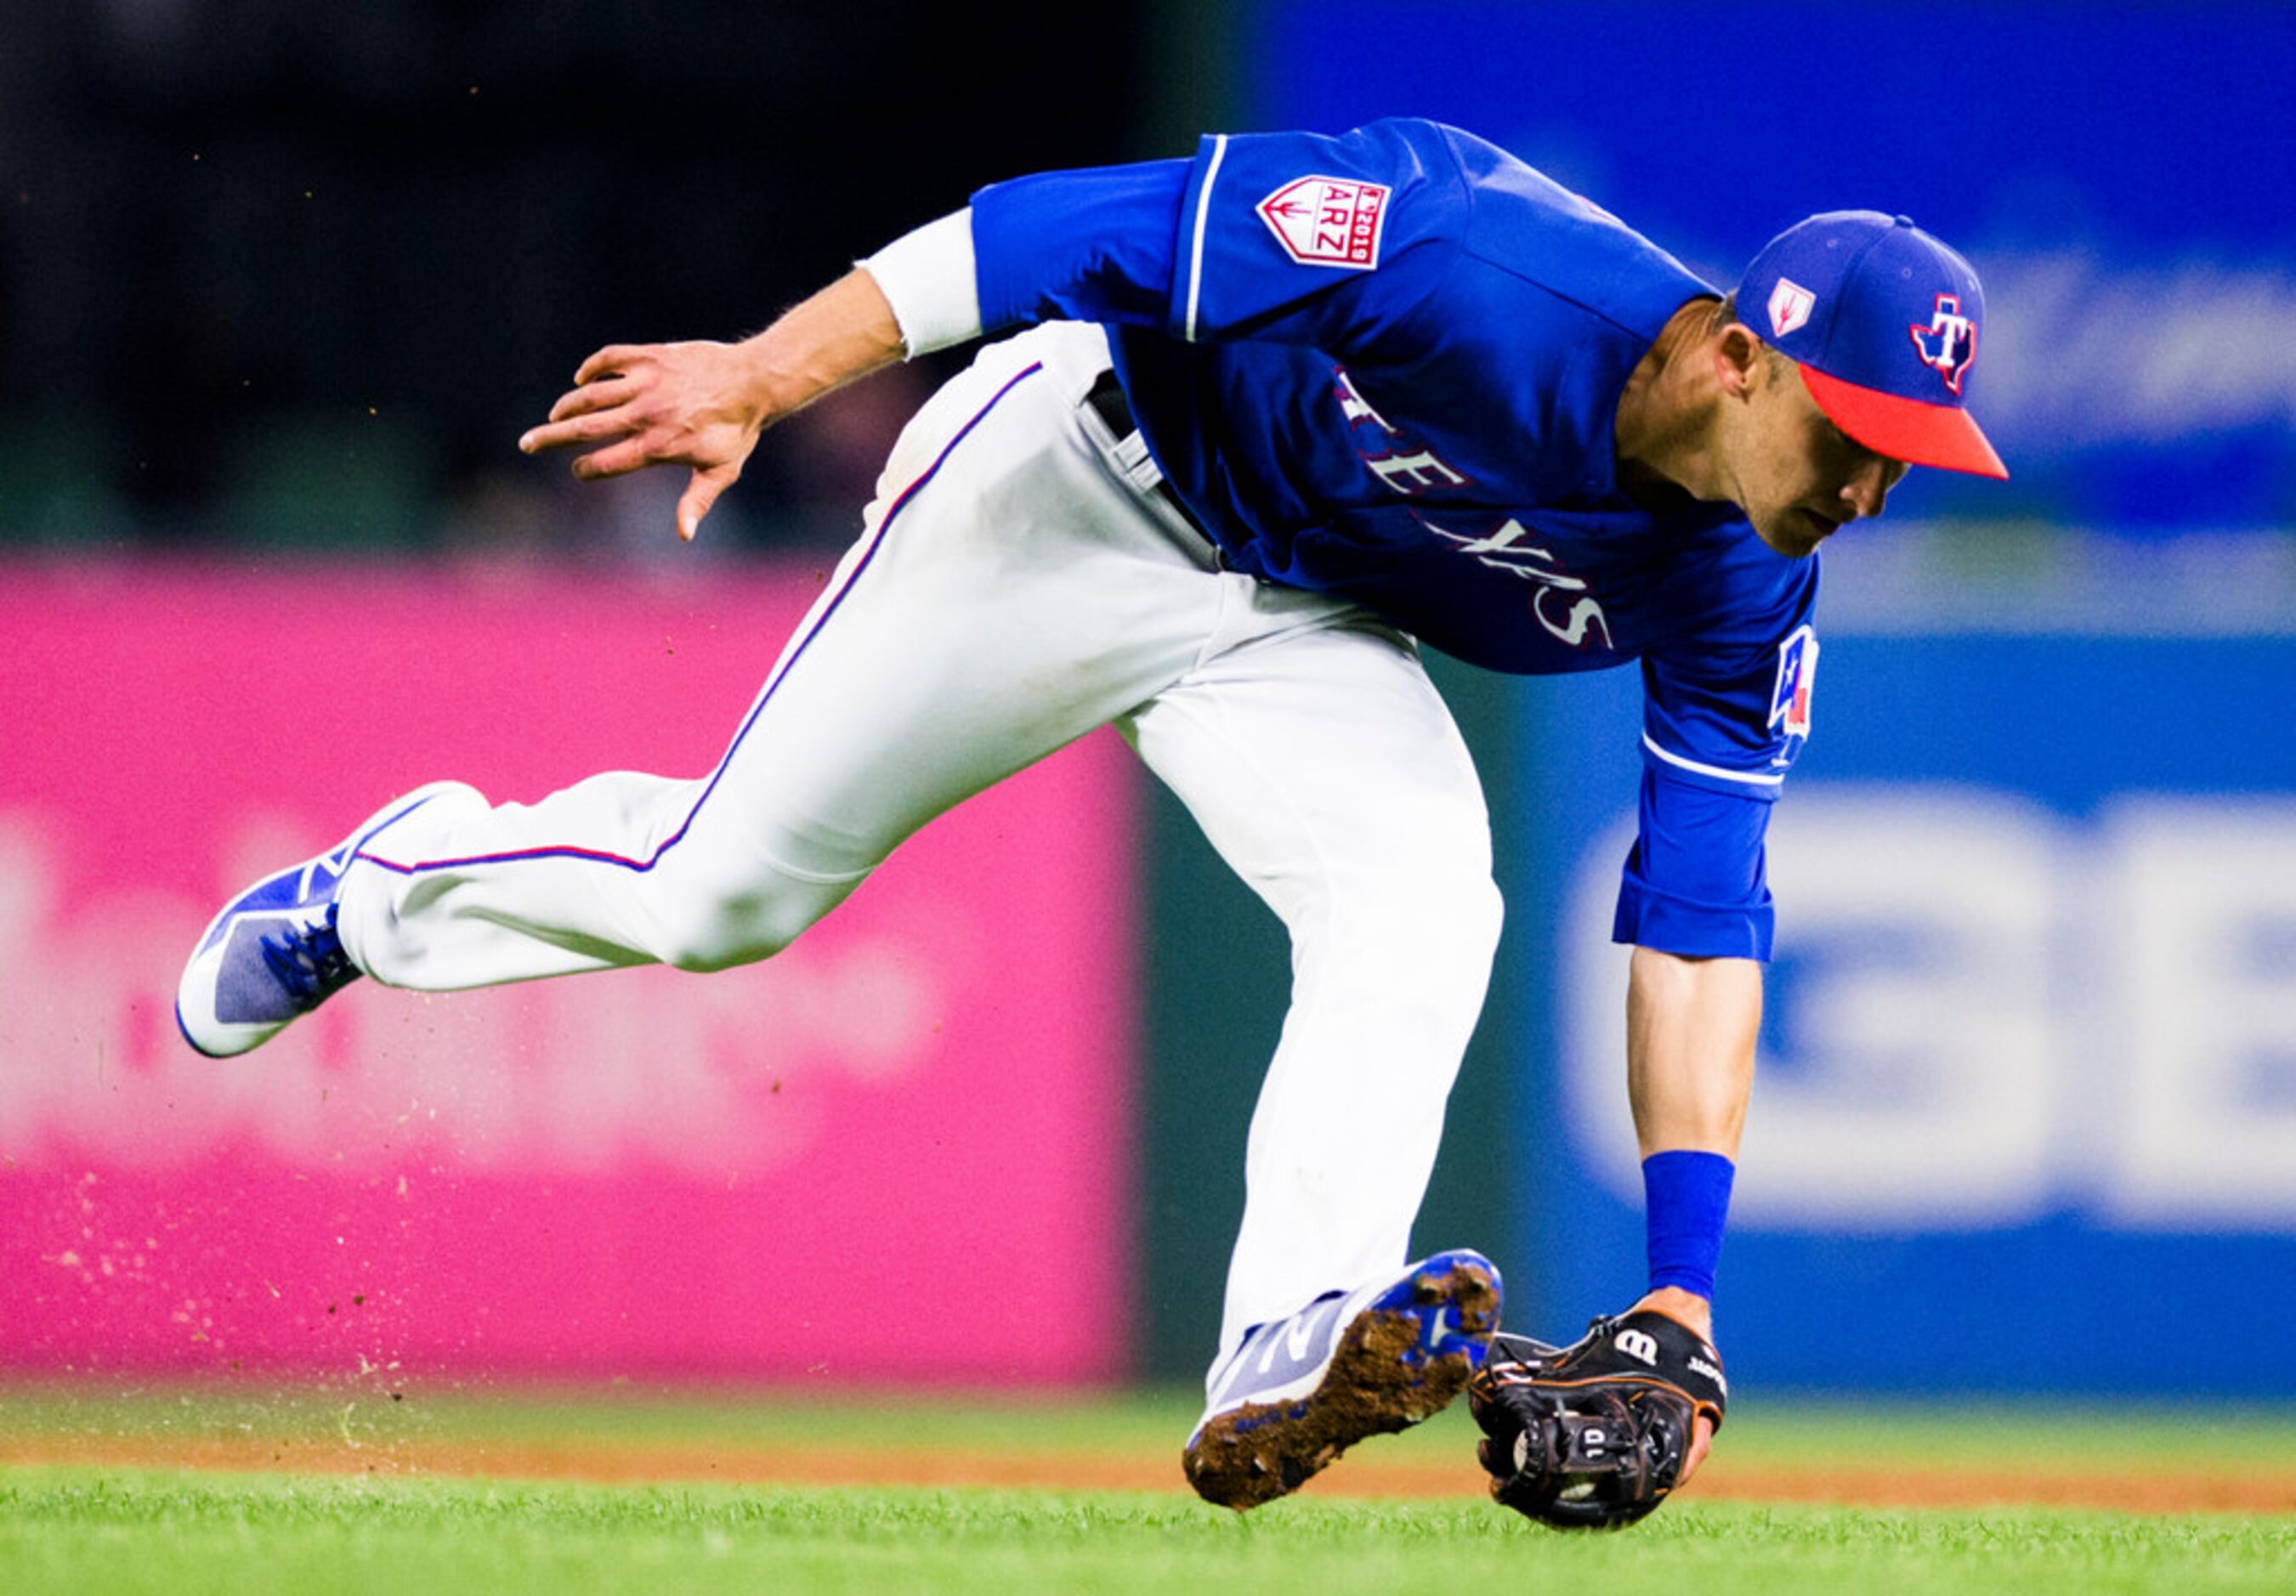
(1301, 1390)
(273, 955)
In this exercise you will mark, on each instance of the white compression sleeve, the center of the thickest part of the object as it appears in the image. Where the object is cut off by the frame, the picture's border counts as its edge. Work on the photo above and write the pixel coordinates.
(927, 276)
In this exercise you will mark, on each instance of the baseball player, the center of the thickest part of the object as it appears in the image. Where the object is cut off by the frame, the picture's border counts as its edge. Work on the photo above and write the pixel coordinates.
(1282, 415)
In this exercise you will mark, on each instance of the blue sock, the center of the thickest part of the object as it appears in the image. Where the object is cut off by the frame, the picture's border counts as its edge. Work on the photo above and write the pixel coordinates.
(1686, 1201)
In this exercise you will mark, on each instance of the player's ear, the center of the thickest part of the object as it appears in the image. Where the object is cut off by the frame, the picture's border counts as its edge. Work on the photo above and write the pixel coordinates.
(1738, 358)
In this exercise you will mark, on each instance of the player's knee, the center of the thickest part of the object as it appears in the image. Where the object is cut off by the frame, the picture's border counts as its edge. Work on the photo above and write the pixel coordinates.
(727, 941)
(706, 956)
(1438, 921)
(1462, 918)
(734, 929)
(1482, 912)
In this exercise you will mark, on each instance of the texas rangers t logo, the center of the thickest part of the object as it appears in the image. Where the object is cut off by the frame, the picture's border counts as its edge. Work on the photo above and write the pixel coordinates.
(1956, 340)
(1328, 221)
(1797, 677)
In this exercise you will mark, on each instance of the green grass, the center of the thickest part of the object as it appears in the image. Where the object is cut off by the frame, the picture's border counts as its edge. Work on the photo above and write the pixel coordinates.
(103, 1529)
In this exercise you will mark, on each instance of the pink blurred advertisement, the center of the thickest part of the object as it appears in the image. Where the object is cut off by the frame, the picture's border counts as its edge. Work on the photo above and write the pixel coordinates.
(902, 1147)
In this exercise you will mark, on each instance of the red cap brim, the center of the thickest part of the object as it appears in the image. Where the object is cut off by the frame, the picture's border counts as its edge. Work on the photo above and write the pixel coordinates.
(1935, 435)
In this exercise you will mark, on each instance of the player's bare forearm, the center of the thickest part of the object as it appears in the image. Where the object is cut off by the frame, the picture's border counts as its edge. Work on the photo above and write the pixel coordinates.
(1691, 1025)
(702, 405)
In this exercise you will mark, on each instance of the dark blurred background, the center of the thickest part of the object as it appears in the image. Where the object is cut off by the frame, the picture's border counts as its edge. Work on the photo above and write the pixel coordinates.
(287, 274)
(284, 275)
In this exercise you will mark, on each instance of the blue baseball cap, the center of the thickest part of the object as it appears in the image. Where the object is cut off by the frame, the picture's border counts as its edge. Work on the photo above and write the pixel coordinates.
(1883, 322)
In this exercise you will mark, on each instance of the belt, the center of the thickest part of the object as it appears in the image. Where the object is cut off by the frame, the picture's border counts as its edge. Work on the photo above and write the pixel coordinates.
(1107, 401)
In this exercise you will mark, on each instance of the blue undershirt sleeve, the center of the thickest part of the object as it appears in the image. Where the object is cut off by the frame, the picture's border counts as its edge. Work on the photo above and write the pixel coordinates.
(1695, 883)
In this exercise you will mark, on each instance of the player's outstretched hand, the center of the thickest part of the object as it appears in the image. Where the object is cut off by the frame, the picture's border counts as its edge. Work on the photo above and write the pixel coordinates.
(702, 405)
(633, 406)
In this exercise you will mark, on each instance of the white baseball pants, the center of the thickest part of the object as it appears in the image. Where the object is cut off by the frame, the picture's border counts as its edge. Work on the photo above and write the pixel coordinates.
(1011, 592)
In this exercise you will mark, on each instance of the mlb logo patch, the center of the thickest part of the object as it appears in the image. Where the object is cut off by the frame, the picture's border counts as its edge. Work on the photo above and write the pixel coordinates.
(1796, 675)
(1790, 307)
(1328, 221)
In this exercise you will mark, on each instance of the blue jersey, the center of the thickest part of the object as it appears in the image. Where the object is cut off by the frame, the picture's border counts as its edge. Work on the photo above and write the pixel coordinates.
(1386, 366)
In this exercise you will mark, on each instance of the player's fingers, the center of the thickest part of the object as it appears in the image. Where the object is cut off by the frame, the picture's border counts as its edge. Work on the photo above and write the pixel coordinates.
(593, 427)
(1701, 1442)
(701, 491)
(612, 358)
(602, 394)
(615, 460)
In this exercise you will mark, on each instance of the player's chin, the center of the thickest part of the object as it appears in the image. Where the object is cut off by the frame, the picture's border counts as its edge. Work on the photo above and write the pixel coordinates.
(1795, 533)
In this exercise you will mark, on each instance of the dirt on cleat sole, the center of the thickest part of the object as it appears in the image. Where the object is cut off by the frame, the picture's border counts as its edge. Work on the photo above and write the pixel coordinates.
(1262, 1451)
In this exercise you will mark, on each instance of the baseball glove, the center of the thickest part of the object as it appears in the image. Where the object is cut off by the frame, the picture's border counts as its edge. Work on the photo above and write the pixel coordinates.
(1592, 1436)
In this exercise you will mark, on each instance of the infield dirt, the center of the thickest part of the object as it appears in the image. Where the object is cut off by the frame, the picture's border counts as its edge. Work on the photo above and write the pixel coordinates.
(616, 1460)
